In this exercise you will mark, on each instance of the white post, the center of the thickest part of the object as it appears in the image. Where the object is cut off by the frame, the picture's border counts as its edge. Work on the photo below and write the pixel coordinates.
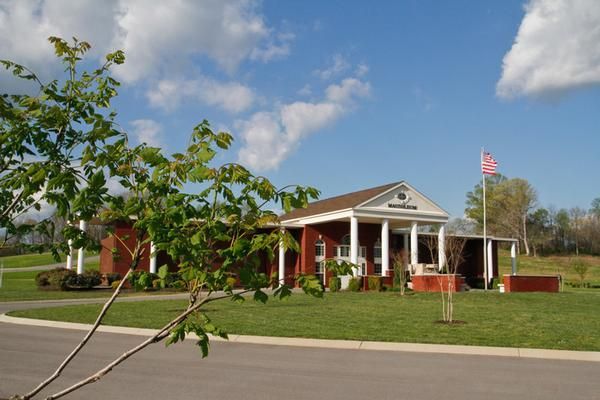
(442, 247)
(414, 244)
(490, 260)
(354, 243)
(81, 252)
(152, 258)
(281, 260)
(513, 257)
(70, 255)
(385, 247)
(485, 259)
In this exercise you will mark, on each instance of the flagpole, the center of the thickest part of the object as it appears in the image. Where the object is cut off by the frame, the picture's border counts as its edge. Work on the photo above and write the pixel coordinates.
(485, 268)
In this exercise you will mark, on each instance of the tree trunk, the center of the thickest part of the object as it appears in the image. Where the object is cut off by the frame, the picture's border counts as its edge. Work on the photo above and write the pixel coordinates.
(525, 234)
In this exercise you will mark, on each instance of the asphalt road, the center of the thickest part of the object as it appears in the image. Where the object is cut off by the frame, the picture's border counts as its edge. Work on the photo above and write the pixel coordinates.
(245, 371)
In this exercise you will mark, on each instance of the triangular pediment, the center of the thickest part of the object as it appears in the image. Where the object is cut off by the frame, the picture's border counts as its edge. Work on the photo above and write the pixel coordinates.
(402, 197)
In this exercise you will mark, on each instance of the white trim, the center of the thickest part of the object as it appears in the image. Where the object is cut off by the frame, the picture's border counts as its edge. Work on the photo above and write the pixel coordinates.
(385, 247)
(354, 242)
(404, 183)
(414, 243)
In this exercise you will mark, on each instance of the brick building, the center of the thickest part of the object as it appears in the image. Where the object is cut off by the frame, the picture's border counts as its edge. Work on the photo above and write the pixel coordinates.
(365, 228)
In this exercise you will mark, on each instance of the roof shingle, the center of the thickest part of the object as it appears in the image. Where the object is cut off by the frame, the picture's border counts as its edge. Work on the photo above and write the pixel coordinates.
(342, 202)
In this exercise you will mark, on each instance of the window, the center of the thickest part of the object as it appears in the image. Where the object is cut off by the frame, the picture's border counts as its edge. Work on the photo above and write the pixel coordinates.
(346, 240)
(319, 268)
(320, 259)
(319, 249)
(377, 249)
(377, 257)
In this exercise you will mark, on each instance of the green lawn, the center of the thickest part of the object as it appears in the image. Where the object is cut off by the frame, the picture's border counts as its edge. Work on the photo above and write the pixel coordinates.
(32, 260)
(533, 320)
(551, 265)
(28, 260)
(20, 286)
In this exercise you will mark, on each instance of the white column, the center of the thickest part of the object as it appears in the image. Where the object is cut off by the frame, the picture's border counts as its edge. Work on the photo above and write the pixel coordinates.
(70, 255)
(490, 259)
(281, 260)
(442, 247)
(354, 243)
(513, 257)
(385, 247)
(81, 252)
(414, 243)
(405, 247)
(152, 258)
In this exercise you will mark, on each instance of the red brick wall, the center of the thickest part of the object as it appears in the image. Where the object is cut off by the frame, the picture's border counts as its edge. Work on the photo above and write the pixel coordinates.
(436, 283)
(121, 261)
(531, 283)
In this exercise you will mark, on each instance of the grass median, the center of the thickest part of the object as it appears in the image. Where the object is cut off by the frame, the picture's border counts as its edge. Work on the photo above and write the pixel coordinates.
(530, 320)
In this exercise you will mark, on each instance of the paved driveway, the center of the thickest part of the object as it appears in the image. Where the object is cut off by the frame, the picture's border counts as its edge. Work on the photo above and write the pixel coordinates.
(247, 371)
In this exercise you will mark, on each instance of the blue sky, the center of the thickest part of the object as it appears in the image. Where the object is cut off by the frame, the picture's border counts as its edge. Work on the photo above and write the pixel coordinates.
(345, 95)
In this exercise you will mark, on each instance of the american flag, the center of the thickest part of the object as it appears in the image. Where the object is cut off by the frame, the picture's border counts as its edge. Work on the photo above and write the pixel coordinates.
(488, 164)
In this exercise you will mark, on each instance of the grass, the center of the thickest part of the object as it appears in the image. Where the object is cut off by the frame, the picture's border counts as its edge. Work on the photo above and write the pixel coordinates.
(551, 265)
(28, 260)
(32, 260)
(20, 286)
(531, 320)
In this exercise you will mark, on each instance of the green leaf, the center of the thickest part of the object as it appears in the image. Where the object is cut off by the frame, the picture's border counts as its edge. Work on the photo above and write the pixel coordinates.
(260, 296)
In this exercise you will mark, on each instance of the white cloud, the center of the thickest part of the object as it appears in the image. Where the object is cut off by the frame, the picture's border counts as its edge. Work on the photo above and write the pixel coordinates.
(270, 137)
(557, 49)
(337, 66)
(274, 49)
(361, 70)
(148, 131)
(157, 36)
(233, 97)
(305, 91)
(349, 89)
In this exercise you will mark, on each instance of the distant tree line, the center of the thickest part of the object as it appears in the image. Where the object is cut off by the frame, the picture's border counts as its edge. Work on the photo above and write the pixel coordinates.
(513, 211)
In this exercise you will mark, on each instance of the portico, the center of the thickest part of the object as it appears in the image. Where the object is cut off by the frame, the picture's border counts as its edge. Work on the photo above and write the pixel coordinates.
(364, 228)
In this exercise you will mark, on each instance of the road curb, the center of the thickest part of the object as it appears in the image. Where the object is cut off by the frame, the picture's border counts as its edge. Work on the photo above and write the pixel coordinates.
(590, 356)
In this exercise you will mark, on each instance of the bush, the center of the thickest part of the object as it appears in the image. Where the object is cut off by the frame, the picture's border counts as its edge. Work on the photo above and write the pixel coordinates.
(55, 279)
(111, 277)
(115, 284)
(355, 284)
(87, 280)
(41, 279)
(230, 281)
(173, 280)
(335, 284)
(374, 283)
(142, 280)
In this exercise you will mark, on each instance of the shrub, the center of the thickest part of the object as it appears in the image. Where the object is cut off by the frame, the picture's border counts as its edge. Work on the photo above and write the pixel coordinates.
(142, 280)
(172, 278)
(374, 283)
(41, 279)
(54, 279)
(115, 284)
(87, 280)
(581, 269)
(230, 282)
(111, 277)
(335, 284)
(355, 284)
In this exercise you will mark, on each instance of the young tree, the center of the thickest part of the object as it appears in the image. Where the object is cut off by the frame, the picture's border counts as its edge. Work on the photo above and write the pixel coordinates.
(399, 263)
(454, 252)
(43, 138)
(222, 228)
